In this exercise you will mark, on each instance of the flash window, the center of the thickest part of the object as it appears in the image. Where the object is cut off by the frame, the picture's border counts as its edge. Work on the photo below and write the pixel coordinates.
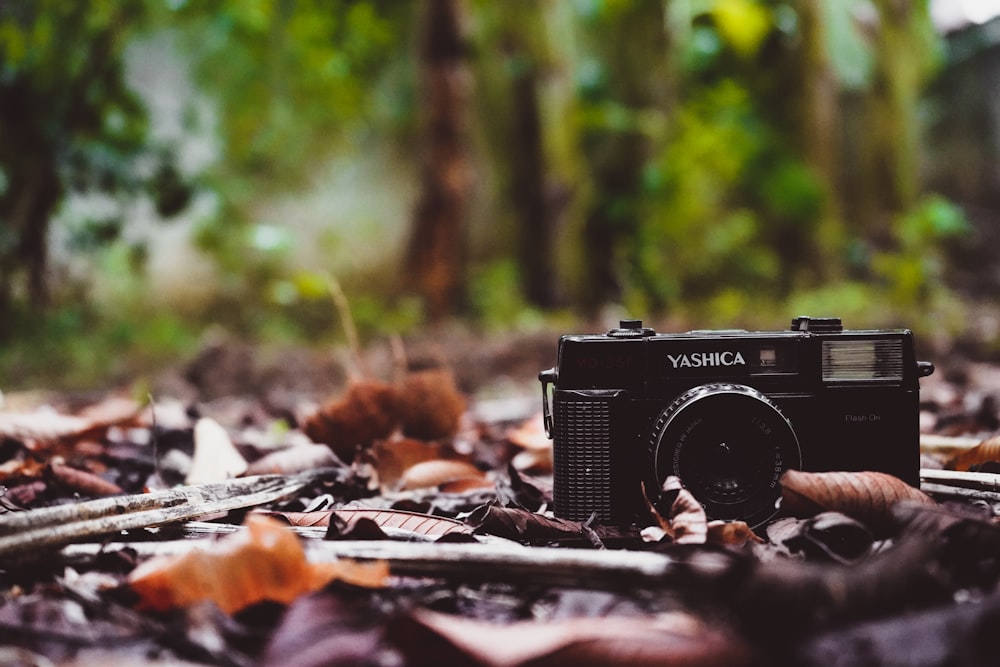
(867, 360)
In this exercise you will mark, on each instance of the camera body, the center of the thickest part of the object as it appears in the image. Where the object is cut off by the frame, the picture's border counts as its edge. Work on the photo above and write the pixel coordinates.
(727, 411)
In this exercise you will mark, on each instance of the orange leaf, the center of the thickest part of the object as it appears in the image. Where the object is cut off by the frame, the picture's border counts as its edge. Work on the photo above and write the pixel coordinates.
(438, 472)
(530, 434)
(731, 533)
(865, 496)
(264, 562)
(395, 455)
(986, 451)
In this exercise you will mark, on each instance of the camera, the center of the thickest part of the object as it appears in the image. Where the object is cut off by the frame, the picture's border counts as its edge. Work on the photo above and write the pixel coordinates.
(726, 411)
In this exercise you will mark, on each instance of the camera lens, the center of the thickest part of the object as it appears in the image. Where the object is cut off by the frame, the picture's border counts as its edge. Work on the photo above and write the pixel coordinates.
(729, 445)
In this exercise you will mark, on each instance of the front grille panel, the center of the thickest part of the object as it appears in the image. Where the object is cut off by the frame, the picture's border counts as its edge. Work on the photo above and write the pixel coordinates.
(582, 459)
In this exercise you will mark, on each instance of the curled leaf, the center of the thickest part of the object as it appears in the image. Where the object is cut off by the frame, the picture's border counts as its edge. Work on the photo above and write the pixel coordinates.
(366, 412)
(866, 496)
(436, 473)
(679, 514)
(82, 481)
(264, 562)
(985, 452)
(730, 533)
(667, 639)
(827, 536)
(294, 460)
(430, 406)
(215, 456)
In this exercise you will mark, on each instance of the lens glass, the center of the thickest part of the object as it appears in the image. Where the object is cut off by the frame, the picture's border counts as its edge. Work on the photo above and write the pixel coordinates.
(729, 445)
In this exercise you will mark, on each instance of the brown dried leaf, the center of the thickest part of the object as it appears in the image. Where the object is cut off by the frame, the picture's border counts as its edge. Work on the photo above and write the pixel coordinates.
(18, 468)
(667, 639)
(395, 455)
(366, 412)
(435, 473)
(42, 427)
(687, 516)
(294, 460)
(531, 434)
(865, 496)
(430, 406)
(45, 426)
(522, 525)
(421, 524)
(685, 521)
(81, 481)
(264, 562)
(986, 451)
(731, 533)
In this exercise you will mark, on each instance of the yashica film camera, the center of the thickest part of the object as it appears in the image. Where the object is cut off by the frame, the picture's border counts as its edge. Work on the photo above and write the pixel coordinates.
(727, 412)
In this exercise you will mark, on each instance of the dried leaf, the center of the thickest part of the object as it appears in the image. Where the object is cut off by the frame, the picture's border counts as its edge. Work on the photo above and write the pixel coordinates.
(422, 524)
(435, 473)
(395, 455)
(731, 533)
(985, 452)
(666, 639)
(678, 514)
(45, 426)
(865, 496)
(264, 562)
(518, 524)
(828, 536)
(215, 456)
(81, 481)
(366, 412)
(531, 434)
(294, 460)
(430, 405)
(42, 427)
(328, 629)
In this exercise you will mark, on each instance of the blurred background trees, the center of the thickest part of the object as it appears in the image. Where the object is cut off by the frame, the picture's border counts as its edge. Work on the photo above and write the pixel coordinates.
(166, 167)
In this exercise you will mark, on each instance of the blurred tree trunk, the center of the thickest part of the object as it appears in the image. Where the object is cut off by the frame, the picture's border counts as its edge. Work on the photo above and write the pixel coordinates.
(891, 155)
(521, 35)
(438, 245)
(631, 45)
(818, 133)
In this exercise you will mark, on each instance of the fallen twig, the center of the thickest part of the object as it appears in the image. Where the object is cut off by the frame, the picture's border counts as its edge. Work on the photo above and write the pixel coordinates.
(982, 481)
(959, 484)
(585, 568)
(60, 525)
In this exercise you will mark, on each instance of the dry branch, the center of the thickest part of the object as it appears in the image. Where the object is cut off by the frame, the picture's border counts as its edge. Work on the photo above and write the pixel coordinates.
(960, 484)
(510, 563)
(60, 525)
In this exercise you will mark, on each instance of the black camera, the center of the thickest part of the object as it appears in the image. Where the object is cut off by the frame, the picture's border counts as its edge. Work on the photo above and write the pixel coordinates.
(726, 411)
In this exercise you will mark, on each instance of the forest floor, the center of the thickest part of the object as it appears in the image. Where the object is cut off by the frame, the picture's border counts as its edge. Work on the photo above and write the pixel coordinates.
(279, 507)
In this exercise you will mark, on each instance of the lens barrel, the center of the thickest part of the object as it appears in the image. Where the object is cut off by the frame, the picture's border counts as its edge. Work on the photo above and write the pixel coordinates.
(729, 445)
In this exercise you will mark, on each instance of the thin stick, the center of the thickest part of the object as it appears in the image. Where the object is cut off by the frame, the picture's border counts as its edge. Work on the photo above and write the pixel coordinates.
(609, 569)
(960, 492)
(982, 481)
(63, 524)
(347, 321)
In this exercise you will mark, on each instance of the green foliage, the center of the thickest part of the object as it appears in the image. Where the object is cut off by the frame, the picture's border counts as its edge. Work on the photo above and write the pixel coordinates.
(293, 80)
(496, 300)
(914, 272)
